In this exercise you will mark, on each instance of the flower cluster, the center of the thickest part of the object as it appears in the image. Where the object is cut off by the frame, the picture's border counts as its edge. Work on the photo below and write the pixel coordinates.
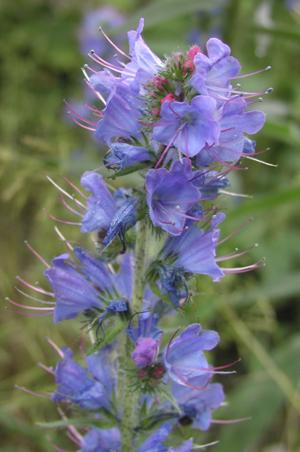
(182, 125)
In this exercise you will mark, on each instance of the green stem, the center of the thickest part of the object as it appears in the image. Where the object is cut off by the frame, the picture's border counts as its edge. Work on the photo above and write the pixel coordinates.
(130, 397)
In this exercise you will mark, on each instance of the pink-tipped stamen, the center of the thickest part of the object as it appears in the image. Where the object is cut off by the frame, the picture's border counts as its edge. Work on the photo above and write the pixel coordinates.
(34, 393)
(55, 348)
(246, 156)
(113, 44)
(33, 298)
(68, 207)
(36, 254)
(97, 94)
(35, 288)
(249, 74)
(28, 307)
(235, 255)
(59, 220)
(230, 421)
(64, 192)
(97, 59)
(75, 187)
(62, 237)
(248, 268)
(47, 369)
(165, 151)
(236, 231)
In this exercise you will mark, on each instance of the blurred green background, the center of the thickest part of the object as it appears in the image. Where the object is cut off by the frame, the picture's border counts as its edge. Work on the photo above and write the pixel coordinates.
(257, 314)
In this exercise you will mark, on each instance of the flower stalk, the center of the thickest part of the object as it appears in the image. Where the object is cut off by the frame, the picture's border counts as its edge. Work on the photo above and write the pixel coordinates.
(131, 396)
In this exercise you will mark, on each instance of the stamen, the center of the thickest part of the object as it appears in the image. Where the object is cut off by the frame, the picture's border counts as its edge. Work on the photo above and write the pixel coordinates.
(34, 393)
(75, 187)
(238, 195)
(248, 268)
(35, 288)
(100, 97)
(249, 74)
(67, 206)
(236, 231)
(36, 254)
(72, 223)
(234, 255)
(61, 236)
(246, 156)
(55, 347)
(27, 307)
(47, 369)
(230, 421)
(64, 192)
(203, 446)
(113, 44)
(33, 298)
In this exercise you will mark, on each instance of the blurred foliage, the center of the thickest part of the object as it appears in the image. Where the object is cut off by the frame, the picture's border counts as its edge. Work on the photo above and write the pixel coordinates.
(256, 314)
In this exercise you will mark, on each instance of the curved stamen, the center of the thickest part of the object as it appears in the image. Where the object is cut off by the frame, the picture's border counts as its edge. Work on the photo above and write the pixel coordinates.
(34, 298)
(35, 288)
(27, 307)
(113, 44)
(36, 254)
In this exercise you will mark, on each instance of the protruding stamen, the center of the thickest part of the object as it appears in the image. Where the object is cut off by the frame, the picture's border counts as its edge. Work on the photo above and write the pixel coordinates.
(34, 393)
(249, 157)
(62, 237)
(113, 44)
(238, 195)
(55, 347)
(36, 254)
(59, 220)
(64, 192)
(260, 71)
(35, 288)
(27, 307)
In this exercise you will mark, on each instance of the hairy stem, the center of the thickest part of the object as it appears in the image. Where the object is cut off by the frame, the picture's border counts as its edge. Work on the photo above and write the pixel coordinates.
(131, 397)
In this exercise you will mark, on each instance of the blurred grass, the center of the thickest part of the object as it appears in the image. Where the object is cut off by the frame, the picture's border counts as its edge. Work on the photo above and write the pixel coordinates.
(40, 67)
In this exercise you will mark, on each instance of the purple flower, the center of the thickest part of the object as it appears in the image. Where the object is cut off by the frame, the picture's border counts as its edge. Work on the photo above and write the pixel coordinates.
(188, 127)
(113, 214)
(77, 385)
(104, 440)
(170, 195)
(213, 73)
(235, 121)
(184, 359)
(121, 116)
(89, 287)
(197, 405)
(194, 251)
(144, 63)
(123, 155)
(145, 352)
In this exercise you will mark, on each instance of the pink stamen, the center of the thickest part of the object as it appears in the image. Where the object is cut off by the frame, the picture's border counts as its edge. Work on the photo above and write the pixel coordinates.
(72, 223)
(56, 348)
(36, 254)
(64, 192)
(47, 369)
(249, 74)
(75, 187)
(34, 393)
(61, 236)
(236, 231)
(230, 421)
(113, 44)
(67, 206)
(248, 268)
(165, 151)
(246, 156)
(33, 298)
(27, 307)
(35, 288)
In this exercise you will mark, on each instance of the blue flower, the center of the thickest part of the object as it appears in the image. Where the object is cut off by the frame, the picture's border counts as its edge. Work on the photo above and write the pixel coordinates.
(188, 126)
(89, 287)
(198, 405)
(123, 155)
(79, 386)
(194, 251)
(147, 327)
(122, 114)
(113, 214)
(213, 73)
(170, 195)
(144, 63)
(173, 284)
(235, 121)
(184, 359)
(101, 440)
